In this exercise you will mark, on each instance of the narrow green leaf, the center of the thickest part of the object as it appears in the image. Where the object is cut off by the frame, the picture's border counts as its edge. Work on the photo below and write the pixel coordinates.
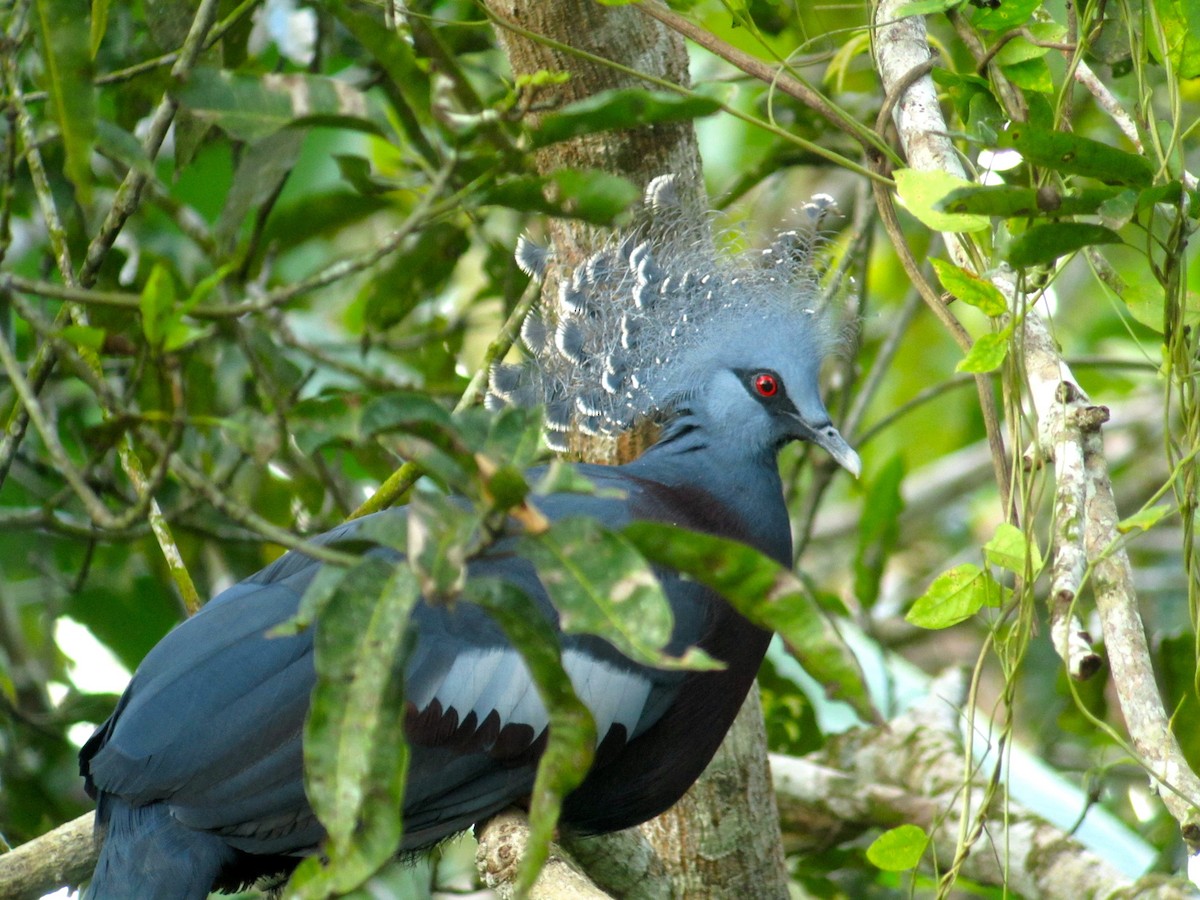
(1072, 154)
(767, 594)
(571, 740)
(923, 194)
(391, 51)
(601, 585)
(262, 167)
(970, 288)
(1042, 244)
(68, 71)
(1010, 548)
(987, 353)
(157, 304)
(899, 849)
(954, 596)
(619, 110)
(354, 750)
(1145, 519)
(99, 24)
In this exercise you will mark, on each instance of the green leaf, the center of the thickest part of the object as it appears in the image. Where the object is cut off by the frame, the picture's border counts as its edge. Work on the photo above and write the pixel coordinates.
(1010, 548)
(157, 304)
(99, 24)
(1180, 21)
(420, 270)
(878, 530)
(970, 288)
(262, 168)
(954, 597)
(388, 49)
(925, 8)
(1145, 519)
(1117, 211)
(898, 849)
(354, 750)
(600, 585)
(1041, 245)
(619, 110)
(1009, 14)
(923, 193)
(401, 411)
(1008, 201)
(767, 594)
(250, 108)
(1031, 75)
(1019, 50)
(987, 353)
(67, 72)
(1072, 154)
(571, 739)
(85, 336)
(440, 536)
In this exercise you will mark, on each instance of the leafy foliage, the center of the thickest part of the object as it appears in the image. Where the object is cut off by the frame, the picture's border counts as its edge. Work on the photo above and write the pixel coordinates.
(249, 271)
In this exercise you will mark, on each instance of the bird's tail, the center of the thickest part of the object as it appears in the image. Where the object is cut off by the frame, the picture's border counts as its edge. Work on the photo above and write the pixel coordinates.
(148, 855)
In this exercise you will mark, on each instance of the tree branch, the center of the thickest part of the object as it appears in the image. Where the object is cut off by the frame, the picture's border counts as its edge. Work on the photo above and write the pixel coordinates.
(901, 44)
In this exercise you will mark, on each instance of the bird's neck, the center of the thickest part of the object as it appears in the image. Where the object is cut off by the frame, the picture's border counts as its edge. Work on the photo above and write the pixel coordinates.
(745, 484)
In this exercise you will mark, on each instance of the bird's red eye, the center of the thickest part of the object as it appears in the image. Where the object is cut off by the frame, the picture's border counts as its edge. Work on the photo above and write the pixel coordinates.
(766, 384)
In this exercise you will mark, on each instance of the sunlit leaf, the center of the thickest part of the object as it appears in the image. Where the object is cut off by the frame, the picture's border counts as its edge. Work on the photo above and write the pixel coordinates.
(954, 597)
(1010, 548)
(923, 193)
(898, 849)
(988, 352)
(1145, 519)
(601, 585)
(970, 288)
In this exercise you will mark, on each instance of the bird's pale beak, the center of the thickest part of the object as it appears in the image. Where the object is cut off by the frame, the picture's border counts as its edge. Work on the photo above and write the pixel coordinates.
(831, 441)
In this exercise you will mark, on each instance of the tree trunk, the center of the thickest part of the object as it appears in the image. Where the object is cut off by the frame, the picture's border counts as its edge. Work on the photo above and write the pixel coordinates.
(723, 838)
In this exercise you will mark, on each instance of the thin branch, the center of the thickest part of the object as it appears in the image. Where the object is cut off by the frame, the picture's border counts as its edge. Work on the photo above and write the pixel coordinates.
(756, 68)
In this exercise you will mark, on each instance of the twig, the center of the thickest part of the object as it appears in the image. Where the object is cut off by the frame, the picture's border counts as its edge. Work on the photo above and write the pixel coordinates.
(787, 84)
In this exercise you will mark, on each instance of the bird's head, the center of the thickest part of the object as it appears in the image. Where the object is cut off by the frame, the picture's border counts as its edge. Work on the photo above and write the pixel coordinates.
(755, 386)
(720, 347)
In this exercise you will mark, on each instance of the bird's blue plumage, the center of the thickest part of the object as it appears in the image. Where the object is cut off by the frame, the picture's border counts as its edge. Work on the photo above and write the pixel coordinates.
(198, 774)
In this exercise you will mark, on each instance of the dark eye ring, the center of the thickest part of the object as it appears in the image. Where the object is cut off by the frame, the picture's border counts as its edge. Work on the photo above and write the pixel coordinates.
(766, 384)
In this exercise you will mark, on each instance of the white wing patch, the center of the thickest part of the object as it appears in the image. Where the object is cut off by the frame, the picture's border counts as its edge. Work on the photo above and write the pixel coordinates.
(498, 679)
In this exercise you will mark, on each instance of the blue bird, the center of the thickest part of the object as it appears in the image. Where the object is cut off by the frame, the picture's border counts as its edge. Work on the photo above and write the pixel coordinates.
(198, 774)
